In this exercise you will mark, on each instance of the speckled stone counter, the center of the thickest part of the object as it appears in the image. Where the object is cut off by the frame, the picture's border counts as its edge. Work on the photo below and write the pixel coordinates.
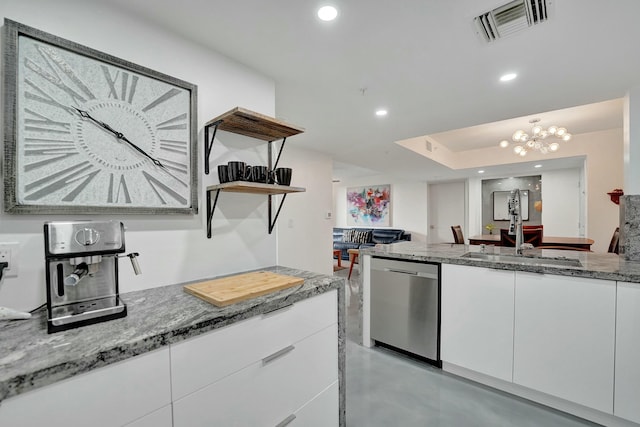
(31, 358)
(594, 265)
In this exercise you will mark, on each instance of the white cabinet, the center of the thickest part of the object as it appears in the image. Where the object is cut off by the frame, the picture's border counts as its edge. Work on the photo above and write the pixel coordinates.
(261, 371)
(275, 367)
(627, 378)
(161, 418)
(115, 395)
(564, 337)
(319, 412)
(477, 319)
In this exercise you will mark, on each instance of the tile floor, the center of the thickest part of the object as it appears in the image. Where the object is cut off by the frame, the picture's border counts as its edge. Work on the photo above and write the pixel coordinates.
(385, 388)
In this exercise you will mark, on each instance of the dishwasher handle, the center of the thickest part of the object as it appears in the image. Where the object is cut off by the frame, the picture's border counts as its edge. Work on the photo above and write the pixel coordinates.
(411, 273)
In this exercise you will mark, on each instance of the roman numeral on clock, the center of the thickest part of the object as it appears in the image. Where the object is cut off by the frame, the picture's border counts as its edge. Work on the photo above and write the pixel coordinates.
(38, 123)
(38, 95)
(162, 98)
(174, 146)
(174, 123)
(127, 84)
(118, 187)
(161, 189)
(79, 175)
(55, 153)
(58, 67)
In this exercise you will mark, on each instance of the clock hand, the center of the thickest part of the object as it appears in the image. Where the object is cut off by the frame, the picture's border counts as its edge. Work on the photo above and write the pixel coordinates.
(140, 150)
(86, 115)
(119, 135)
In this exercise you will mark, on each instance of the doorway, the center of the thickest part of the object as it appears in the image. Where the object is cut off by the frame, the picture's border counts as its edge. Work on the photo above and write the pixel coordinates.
(446, 207)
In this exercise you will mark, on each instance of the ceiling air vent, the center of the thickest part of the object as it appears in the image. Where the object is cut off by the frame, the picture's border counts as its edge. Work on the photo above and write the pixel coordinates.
(511, 18)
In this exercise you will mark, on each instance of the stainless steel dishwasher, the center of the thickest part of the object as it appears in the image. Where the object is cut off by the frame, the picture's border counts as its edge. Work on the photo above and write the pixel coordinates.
(405, 307)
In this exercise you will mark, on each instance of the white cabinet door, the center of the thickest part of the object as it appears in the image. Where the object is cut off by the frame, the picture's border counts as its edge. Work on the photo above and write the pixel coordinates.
(477, 319)
(266, 392)
(627, 395)
(111, 396)
(564, 337)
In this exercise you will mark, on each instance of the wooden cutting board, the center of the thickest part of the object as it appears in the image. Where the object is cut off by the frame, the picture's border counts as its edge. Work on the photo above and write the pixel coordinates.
(232, 289)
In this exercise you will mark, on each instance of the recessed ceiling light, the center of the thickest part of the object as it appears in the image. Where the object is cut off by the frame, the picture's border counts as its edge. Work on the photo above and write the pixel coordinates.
(327, 13)
(537, 166)
(480, 171)
(507, 77)
(381, 112)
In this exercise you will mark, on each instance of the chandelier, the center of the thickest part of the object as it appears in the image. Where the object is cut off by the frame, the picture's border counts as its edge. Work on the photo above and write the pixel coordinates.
(537, 139)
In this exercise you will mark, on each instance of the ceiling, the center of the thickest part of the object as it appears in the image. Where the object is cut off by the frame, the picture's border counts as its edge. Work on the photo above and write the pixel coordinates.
(423, 61)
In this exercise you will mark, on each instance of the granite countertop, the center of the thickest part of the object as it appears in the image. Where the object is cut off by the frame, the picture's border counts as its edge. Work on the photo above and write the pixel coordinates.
(605, 266)
(31, 358)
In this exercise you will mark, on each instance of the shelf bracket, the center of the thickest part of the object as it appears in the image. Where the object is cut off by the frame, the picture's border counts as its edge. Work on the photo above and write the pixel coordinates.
(279, 153)
(273, 223)
(208, 145)
(210, 210)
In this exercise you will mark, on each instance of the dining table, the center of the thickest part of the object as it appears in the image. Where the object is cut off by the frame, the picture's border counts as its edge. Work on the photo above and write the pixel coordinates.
(579, 243)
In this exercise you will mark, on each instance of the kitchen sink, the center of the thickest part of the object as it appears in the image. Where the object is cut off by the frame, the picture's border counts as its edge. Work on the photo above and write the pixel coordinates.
(524, 259)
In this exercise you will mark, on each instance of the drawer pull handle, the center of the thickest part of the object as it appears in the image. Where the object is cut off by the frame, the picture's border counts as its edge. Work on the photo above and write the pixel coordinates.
(286, 421)
(277, 310)
(277, 354)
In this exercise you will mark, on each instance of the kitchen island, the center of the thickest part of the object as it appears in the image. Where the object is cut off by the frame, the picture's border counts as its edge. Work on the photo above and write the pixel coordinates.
(174, 351)
(557, 327)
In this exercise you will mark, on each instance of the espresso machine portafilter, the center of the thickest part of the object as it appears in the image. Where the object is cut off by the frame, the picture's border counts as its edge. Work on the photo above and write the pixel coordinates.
(81, 264)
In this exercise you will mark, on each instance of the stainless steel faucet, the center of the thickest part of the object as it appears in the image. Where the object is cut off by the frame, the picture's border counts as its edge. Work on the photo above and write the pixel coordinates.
(515, 219)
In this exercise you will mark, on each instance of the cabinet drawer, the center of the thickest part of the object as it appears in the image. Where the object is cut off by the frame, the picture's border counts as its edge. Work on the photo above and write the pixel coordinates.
(200, 361)
(160, 418)
(322, 411)
(110, 396)
(264, 394)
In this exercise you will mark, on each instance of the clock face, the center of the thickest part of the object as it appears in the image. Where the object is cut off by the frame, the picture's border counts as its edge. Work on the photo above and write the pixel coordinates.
(94, 134)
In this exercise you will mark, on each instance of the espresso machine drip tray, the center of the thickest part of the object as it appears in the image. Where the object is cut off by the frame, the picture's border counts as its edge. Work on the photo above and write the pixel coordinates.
(87, 310)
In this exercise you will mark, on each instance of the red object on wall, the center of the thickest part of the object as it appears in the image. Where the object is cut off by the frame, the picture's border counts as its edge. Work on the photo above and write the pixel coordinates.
(615, 195)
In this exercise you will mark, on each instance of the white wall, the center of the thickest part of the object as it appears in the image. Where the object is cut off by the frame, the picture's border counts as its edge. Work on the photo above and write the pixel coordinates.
(304, 231)
(632, 142)
(172, 249)
(408, 203)
(561, 198)
(474, 205)
(446, 207)
(604, 172)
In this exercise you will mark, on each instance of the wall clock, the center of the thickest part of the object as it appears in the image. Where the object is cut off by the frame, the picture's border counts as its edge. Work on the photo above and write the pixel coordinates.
(86, 132)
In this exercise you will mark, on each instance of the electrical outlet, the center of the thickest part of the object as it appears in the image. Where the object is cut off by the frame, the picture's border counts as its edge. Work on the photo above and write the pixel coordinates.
(9, 252)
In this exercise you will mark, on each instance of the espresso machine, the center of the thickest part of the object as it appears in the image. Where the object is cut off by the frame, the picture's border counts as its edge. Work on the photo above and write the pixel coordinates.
(81, 264)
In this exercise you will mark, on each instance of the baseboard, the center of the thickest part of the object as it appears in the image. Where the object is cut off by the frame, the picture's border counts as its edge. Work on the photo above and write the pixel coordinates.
(557, 403)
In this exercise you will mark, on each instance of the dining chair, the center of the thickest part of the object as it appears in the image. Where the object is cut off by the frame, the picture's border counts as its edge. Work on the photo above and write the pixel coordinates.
(457, 234)
(532, 236)
(613, 245)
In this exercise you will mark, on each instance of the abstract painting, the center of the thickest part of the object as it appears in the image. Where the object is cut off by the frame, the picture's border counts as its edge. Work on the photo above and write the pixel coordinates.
(369, 205)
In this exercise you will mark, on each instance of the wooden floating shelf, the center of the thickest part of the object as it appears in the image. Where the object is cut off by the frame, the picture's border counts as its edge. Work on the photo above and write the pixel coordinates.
(255, 125)
(255, 188)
